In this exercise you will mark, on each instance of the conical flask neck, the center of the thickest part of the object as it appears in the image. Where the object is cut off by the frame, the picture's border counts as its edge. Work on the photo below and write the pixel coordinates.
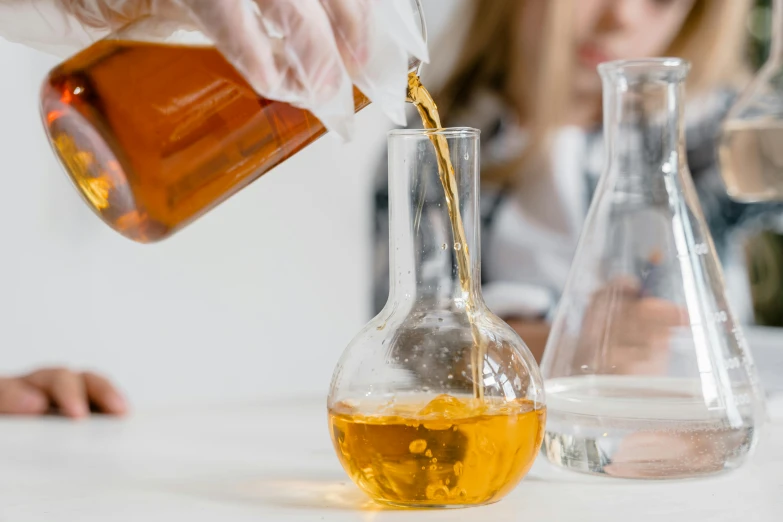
(643, 119)
(776, 45)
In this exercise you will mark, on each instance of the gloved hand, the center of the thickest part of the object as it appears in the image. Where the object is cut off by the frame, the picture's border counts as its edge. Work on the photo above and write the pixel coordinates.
(304, 52)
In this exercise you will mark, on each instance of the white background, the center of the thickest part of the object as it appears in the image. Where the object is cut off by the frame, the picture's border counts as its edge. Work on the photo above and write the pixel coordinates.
(259, 297)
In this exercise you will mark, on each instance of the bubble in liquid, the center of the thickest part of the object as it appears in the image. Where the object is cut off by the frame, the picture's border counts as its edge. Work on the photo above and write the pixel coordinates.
(457, 246)
(443, 246)
(467, 156)
(436, 491)
(428, 453)
(486, 446)
(449, 376)
(418, 446)
(458, 468)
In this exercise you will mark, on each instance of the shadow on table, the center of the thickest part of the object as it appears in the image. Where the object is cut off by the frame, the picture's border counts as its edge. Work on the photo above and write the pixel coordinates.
(292, 492)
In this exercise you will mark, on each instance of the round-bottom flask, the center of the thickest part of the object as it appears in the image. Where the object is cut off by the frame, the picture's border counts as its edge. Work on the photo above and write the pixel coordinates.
(436, 402)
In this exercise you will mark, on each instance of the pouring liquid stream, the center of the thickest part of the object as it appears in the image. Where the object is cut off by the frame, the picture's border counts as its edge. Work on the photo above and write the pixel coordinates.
(428, 111)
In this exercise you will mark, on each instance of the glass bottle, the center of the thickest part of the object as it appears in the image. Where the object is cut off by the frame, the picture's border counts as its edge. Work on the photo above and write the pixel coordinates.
(647, 372)
(410, 423)
(155, 127)
(750, 152)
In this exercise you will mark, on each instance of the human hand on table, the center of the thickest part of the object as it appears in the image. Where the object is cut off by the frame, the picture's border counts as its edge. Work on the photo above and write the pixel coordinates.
(626, 333)
(308, 53)
(70, 393)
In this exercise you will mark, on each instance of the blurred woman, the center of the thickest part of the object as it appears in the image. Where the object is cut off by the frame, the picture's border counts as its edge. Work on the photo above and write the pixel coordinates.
(526, 76)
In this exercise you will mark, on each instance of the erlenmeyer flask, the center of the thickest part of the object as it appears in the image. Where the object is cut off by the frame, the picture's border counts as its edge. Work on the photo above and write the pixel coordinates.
(647, 373)
(404, 415)
(751, 155)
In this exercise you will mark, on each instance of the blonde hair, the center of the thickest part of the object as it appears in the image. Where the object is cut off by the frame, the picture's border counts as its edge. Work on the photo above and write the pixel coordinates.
(712, 38)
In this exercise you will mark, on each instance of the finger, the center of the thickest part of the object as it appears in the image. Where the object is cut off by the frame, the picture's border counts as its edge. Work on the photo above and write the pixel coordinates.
(661, 312)
(45, 25)
(102, 393)
(111, 14)
(624, 285)
(375, 61)
(350, 21)
(64, 388)
(20, 398)
(615, 293)
(241, 37)
(285, 50)
(312, 60)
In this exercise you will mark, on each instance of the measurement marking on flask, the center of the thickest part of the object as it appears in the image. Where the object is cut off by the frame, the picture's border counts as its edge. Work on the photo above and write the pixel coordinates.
(733, 363)
(701, 249)
(740, 338)
(720, 317)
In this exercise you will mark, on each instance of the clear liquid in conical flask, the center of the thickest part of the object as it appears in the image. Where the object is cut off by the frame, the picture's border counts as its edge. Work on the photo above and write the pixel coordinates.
(608, 424)
(647, 373)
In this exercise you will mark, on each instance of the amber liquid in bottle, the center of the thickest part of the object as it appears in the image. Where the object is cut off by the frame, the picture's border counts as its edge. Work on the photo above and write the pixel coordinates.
(155, 135)
(448, 451)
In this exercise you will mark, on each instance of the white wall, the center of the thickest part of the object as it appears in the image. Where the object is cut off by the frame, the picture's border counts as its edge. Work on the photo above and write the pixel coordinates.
(252, 299)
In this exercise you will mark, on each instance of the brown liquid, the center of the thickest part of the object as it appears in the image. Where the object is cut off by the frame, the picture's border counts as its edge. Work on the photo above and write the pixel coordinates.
(751, 158)
(445, 452)
(156, 135)
(430, 118)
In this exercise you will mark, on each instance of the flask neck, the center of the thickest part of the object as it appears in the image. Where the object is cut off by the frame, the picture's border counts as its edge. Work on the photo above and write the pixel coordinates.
(424, 264)
(776, 44)
(643, 118)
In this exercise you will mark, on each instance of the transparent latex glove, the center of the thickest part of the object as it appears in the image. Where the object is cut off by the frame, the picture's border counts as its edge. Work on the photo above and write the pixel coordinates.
(304, 52)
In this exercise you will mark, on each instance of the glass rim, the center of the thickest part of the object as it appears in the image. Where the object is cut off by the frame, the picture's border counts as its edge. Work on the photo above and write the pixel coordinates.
(447, 132)
(666, 65)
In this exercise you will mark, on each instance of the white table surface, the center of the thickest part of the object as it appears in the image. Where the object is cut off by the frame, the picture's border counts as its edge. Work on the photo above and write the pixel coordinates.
(274, 461)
